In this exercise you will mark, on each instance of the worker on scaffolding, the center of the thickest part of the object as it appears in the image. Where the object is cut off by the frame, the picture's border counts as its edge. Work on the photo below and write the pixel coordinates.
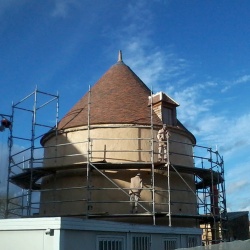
(163, 136)
(135, 192)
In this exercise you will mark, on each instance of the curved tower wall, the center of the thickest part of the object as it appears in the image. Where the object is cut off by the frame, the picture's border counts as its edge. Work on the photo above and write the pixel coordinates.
(113, 144)
(106, 144)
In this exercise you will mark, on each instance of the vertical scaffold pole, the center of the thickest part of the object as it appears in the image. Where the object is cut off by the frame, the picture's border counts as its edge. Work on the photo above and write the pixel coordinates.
(213, 201)
(32, 146)
(10, 160)
(152, 159)
(169, 191)
(56, 127)
(88, 158)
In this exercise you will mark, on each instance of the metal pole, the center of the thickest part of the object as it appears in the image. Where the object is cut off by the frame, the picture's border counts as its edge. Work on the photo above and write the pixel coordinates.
(56, 127)
(88, 158)
(152, 159)
(10, 144)
(32, 152)
(169, 191)
(212, 201)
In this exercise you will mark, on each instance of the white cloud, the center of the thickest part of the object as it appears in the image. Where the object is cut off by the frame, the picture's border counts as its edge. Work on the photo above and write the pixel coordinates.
(213, 127)
(192, 103)
(234, 134)
(240, 169)
(246, 207)
(62, 7)
(164, 70)
(239, 80)
(198, 111)
(238, 202)
(237, 186)
(155, 66)
(243, 79)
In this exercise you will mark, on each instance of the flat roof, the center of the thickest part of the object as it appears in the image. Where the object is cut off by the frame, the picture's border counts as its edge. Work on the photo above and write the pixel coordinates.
(65, 223)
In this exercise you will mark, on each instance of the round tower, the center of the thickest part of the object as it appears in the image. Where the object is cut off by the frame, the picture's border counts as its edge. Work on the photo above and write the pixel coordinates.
(108, 137)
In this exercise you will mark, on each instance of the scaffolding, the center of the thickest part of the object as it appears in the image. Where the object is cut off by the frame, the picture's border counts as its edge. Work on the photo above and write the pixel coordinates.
(25, 152)
(26, 172)
(5, 128)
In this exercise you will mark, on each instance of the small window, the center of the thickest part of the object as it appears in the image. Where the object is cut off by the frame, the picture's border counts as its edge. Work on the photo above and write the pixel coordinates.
(169, 243)
(110, 243)
(141, 243)
(167, 116)
(192, 241)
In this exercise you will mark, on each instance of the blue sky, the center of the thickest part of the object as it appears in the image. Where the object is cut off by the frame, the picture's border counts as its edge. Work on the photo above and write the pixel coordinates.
(196, 51)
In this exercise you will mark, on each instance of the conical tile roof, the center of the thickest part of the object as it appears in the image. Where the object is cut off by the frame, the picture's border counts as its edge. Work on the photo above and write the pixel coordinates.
(119, 97)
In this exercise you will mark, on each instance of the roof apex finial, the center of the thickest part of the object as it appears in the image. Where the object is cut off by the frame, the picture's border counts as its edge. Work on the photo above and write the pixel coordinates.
(120, 56)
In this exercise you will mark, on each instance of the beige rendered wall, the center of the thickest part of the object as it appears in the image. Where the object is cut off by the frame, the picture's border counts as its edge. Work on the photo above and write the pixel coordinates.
(104, 196)
(113, 144)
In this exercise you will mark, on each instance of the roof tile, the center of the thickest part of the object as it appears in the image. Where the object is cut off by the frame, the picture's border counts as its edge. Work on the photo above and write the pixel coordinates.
(119, 97)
